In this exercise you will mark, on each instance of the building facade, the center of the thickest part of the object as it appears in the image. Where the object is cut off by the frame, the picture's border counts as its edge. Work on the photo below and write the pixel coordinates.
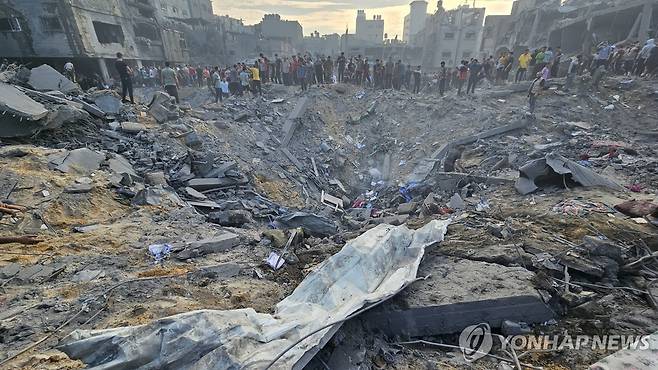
(91, 32)
(452, 36)
(414, 22)
(369, 30)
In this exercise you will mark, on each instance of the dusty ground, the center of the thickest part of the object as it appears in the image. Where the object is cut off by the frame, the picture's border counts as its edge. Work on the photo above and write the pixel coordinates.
(400, 131)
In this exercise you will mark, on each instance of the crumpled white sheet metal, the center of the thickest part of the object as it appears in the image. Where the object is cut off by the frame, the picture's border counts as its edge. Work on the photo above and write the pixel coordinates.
(368, 269)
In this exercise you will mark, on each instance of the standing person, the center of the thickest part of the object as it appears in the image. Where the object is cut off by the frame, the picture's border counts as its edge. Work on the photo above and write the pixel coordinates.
(417, 76)
(396, 75)
(244, 80)
(278, 68)
(223, 89)
(539, 61)
(557, 59)
(643, 55)
(199, 75)
(407, 76)
(341, 61)
(319, 71)
(328, 70)
(285, 71)
(125, 74)
(388, 73)
(234, 80)
(366, 72)
(534, 91)
(546, 72)
(508, 66)
(572, 71)
(216, 79)
(443, 78)
(603, 54)
(69, 71)
(302, 71)
(257, 86)
(462, 72)
(524, 63)
(170, 81)
(474, 68)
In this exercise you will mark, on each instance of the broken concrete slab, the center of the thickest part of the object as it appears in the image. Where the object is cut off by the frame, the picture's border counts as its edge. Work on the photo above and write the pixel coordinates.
(82, 161)
(640, 355)
(555, 171)
(231, 218)
(10, 270)
(78, 188)
(119, 165)
(194, 194)
(216, 244)
(313, 224)
(45, 78)
(427, 165)
(21, 116)
(390, 220)
(132, 127)
(14, 101)
(156, 196)
(460, 293)
(451, 181)
(108, 103)
(293, 120)
(63, 114)
(203, 184)
(407, 208)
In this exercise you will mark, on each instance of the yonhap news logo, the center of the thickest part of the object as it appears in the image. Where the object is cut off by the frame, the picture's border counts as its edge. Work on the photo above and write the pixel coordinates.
(476, 342)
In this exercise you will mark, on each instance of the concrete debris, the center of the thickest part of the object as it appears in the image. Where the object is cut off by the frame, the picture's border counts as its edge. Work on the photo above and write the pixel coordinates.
(299, 315)
(156, 196)
(46, 78)
(558, 172)
(448, 303)
(81, 161)
(312, 224)
(216, 244)
(108, 103)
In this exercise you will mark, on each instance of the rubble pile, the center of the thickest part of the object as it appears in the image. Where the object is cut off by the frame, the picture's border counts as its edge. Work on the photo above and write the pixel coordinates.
(157, 216)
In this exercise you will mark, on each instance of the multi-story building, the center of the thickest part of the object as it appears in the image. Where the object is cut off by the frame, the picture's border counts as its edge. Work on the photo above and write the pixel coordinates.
(452, 36)
(273, 27)
(91, 32)
(414, 22)
(369, 30)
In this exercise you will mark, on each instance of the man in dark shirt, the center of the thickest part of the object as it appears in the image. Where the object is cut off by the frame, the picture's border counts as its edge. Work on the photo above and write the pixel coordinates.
(341, 66)
(125, 73)
(474, 76)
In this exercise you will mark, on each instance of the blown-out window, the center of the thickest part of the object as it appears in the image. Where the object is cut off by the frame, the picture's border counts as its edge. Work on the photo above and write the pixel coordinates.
(10, 24)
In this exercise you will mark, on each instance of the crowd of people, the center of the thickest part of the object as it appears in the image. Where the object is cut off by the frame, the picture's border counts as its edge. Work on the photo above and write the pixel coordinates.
(305, 70)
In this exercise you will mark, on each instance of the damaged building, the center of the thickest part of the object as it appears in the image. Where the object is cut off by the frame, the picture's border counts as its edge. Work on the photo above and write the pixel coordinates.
(576, 26)
(451, 36)
(91, 32)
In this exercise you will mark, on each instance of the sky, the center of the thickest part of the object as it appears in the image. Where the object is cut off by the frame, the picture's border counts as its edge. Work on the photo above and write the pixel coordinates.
(333, 16)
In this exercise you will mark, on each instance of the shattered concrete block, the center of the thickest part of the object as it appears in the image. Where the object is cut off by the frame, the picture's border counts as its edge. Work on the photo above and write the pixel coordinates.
(119, 165)
(155, 178)
(219, 243)
(203, 184)
(194, 194)
(108, 103)
(10, 270)
(78, 188)
(64, 114)
(132, 127)
(460, 293)
(231, 218)
(390, 220)
(407, 208)
(359, 214)
(45, 77)
(23, 115)
(278, 237)
(82, 161)
(157, 195)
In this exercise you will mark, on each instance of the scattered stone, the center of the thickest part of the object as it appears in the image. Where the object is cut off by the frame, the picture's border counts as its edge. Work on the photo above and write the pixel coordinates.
(407, 208)
(155, 178)
(45, 78)
(88, 275)
(278, 237)
(78, 188)
(194, 194)
(456, 202)
(83, 161)
(231, 218)
(220, 243)
(132, 127)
